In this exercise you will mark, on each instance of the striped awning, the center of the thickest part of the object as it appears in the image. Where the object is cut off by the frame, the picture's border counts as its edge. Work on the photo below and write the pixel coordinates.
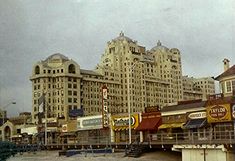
(121, 128)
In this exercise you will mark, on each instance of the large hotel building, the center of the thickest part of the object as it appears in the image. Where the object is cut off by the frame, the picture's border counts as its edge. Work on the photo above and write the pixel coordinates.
(153, 77)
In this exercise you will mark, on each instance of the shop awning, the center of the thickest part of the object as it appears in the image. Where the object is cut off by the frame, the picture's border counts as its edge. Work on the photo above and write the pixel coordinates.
(149, 124)
(195, 123)
(170, 126)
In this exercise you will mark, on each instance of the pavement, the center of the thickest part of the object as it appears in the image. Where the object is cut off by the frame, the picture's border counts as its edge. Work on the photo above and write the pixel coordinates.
(53, 156)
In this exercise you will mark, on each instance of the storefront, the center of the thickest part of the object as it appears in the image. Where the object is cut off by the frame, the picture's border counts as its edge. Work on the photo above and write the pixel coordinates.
(149, 124)
(68, 132)
(197, 126)
(220, 117)
(171, 125)
(120, 127)
(90, 130)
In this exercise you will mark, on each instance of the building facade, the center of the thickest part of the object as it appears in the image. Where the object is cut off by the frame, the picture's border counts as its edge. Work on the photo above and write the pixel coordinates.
(227, 79)
(197, 88)
(135, 78)
(59, 79)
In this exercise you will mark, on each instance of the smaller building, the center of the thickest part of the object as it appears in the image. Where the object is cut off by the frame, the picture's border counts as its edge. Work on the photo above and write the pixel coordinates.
(174, 119)
(227, 79)
(90, 130)
(150, 121)
(220, 111)
(120, 127)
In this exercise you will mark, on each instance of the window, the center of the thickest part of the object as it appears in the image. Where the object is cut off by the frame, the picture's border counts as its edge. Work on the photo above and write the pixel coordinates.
(233, 85)
(37, 70)
(228, 87)
(72, 68)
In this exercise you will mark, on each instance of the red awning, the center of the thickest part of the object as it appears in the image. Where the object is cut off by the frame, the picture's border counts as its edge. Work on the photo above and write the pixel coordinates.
(148, 124)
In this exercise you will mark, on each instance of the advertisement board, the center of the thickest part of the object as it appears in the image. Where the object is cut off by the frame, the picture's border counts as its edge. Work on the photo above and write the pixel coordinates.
(219, 113)
(89, 122)
(122, 122)
(197, 115)
(105, 120)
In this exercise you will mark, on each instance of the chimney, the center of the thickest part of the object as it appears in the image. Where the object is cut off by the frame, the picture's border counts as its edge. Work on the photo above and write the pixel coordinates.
(226, 64)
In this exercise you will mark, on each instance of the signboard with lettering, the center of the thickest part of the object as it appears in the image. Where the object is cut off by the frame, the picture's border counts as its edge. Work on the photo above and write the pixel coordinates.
(197, 115)
(152, 109)
(123, 121)
(105, 118)
(219, 113)
(89, 122)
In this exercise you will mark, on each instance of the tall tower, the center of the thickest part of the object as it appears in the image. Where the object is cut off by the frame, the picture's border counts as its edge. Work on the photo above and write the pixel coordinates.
(169, 69)
(128, 63)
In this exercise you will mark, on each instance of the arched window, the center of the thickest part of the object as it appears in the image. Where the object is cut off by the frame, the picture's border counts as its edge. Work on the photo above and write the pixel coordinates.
(37, 70)
(72, 68)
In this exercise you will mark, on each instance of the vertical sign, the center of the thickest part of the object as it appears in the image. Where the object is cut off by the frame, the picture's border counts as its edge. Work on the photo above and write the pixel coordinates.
(105, 106)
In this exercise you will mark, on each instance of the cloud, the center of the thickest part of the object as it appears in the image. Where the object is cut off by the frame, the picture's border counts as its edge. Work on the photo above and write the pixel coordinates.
(32, 30)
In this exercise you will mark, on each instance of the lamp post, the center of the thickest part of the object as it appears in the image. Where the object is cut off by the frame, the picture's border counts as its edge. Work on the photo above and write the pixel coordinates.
(130, 70)
(3, 112)
(45, 107)
(129, 103)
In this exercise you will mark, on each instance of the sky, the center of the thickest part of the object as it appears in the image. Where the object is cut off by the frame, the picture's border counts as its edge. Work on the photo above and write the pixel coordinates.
(32, 30)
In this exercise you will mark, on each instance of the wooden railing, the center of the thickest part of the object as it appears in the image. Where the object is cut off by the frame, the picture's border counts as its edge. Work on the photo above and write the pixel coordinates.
(193, 138)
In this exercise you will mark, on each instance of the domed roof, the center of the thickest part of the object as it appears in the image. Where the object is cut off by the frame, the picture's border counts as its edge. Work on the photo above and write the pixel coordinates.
(122, 37)
(159, 47)
(57, 56)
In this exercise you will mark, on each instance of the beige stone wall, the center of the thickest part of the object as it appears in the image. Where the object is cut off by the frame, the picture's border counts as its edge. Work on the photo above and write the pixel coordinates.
(154, 76)
(198, 88)
(59, 78)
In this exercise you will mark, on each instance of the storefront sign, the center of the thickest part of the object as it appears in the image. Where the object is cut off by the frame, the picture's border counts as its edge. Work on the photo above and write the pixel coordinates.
(89, 123)
(215, 96)
(123, 121)
(92, 122)
(151, 109)
(219, 113)
(197, 115)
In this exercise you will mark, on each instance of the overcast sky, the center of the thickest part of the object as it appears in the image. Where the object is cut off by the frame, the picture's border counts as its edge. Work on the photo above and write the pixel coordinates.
(31, 30)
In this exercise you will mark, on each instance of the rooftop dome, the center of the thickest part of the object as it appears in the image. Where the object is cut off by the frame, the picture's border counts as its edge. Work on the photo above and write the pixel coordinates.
(122, 37)
(159, 47)
(57, 56)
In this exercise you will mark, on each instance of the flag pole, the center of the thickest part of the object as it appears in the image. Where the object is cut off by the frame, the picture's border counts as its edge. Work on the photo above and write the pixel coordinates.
(44, 104)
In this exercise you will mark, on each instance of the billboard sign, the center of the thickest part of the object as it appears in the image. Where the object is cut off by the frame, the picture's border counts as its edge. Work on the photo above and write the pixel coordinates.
(219, 113)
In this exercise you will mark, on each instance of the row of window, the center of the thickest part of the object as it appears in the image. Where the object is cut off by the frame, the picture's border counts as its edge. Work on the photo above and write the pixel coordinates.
(71, 69)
